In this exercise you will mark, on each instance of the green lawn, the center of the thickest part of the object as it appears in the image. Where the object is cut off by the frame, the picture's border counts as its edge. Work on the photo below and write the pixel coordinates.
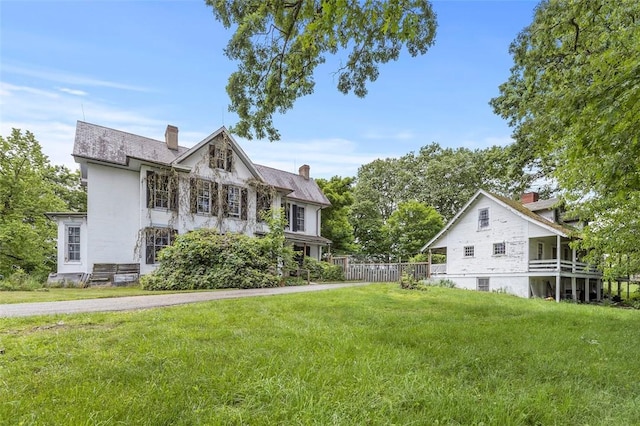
(57, 294)
(373, 355)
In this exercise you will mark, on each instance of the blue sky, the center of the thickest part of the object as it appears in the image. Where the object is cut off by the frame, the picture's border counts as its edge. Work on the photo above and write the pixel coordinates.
(140, 65)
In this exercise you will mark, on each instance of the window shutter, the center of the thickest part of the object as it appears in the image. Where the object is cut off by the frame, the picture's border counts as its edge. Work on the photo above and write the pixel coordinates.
(229, 159)
(150, 186)
(212, 156)
(225, 200)
(214, 198)
(173, 193)
(244, 203)
(193, 195)
(293, 221)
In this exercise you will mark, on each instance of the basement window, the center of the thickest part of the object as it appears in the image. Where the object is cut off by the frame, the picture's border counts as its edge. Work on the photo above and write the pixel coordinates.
(482, 284)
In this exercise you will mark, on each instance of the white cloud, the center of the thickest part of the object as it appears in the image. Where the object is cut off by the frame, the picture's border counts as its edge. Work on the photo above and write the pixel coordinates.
(68, 78)
(73, 91)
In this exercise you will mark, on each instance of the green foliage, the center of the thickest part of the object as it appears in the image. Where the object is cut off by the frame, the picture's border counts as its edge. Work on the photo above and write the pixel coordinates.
(444, 283)
(322, 271)
(204, 259)
(408, 282)
(444, 178)
(410, 227)
(436, 357)
(19, 280)
(67, 186)
(436, 258)
(27, 237)
(335, 219)
(573, 100)
(279, 44)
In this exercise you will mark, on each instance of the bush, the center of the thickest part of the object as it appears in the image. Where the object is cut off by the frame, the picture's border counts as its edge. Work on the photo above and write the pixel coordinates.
(19, 280)
(407, 282)
(204, 259)
(322, 271)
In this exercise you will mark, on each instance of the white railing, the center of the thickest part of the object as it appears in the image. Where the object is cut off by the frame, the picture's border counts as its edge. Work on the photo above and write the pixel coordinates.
(551, 265)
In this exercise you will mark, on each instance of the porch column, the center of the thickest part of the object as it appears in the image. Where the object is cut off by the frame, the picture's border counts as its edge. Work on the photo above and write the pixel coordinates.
(573, 260)
(574, 294)
(429, 264)
(598, 289)
(586, 289)
(558, 242)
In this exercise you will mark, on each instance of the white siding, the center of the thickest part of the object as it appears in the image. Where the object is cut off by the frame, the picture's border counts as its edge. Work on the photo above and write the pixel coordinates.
(113, 206)
(504, 226)
(64, 265)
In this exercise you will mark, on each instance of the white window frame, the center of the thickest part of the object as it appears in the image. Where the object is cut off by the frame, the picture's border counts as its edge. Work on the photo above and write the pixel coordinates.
(499, 249)
(203, 196)
(469, 251)
(234, 201)
(483, 222)
(483, 284)
(540, 252)
(72, 247)
(299, 219)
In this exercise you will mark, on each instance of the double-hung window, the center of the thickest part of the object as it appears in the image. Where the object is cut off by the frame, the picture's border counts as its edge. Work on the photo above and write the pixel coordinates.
(263, 204)
(156, 240)
(233, 201)
(483, 218)
(73, 243)
(298, 217)
(204, 197)
(162, 191)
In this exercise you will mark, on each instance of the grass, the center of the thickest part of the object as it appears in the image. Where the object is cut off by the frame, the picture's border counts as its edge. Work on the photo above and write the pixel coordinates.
(58, 294)
(366, 355)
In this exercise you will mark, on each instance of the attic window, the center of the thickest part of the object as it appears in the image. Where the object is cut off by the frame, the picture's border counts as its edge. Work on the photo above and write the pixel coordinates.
(220, 157)
(483, 218)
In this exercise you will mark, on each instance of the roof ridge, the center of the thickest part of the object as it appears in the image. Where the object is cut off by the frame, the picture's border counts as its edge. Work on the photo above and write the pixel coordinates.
(129, 133)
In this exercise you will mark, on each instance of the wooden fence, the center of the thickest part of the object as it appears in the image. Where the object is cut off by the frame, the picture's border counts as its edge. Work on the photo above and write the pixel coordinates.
(381, 272)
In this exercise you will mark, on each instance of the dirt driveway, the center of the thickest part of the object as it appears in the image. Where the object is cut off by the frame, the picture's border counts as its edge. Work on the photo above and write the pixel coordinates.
(154, 301)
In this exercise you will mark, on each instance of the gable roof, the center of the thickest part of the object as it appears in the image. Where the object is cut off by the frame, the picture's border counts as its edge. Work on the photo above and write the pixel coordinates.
(115, 146)
(548, 204)
(301, 188)
(512, 205)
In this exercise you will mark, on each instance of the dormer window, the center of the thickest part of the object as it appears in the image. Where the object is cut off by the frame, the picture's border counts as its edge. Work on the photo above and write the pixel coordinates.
(483, 218)
(220, 157)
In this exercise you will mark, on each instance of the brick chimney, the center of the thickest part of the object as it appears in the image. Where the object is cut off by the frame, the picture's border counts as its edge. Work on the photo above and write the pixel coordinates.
(304, 171)
(529, 197)
(171, 137)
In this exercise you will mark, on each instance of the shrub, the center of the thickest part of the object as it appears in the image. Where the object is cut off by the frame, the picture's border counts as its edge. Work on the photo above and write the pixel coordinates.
(445, 283)
(322, 271)
(407, 282)
(204, 259)
(19, 280)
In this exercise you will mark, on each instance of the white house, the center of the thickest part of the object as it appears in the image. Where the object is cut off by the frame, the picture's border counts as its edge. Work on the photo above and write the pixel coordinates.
(497, 244)
(142, 192)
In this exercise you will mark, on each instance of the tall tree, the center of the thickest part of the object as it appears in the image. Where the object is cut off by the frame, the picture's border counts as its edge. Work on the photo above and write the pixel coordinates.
(27, 237)
(573, 99)
(279, 43)
(410, 227)
(335, 219)
(68, 186)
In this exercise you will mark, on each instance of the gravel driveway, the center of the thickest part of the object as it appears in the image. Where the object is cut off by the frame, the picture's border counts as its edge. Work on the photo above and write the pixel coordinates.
(154, 301)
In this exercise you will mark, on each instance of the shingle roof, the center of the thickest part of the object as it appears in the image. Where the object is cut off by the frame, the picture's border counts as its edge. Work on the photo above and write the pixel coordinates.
(536, 206)
(303, 189)
(523, 208)
(115, 146)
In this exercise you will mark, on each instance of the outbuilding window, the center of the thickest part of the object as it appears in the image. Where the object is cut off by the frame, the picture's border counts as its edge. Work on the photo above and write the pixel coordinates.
(482, 284)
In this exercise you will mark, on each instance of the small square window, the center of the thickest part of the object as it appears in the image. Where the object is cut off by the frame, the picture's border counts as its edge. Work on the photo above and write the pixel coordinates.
(469, 251)
(482, 284)
(499, 249)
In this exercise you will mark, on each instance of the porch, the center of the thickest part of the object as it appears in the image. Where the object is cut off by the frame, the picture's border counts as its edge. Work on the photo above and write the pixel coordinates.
(561, 265)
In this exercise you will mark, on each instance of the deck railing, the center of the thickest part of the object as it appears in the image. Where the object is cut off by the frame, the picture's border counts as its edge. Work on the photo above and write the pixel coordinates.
(551, 265)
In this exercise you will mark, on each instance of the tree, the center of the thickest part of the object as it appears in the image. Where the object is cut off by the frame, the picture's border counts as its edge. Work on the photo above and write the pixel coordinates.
(573, 99)
(27, 237)
(279, 44)
(68, 187)
(410, 227)
(335, 219)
